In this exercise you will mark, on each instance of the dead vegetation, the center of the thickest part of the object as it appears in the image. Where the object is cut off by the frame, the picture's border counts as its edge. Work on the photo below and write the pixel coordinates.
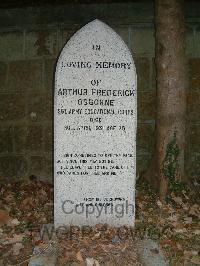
(26, 206)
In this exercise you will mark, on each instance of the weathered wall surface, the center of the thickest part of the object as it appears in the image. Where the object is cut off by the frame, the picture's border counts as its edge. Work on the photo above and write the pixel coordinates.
(30, 42)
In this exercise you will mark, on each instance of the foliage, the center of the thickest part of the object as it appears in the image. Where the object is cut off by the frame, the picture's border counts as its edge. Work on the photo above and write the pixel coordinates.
(26, 240)
(153, 232)
(170, 166)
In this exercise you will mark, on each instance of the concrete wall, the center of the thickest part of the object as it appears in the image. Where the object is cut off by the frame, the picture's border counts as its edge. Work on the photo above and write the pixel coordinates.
(30, 42)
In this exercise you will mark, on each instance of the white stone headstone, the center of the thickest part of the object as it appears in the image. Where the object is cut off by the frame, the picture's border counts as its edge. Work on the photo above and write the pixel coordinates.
(95, 130)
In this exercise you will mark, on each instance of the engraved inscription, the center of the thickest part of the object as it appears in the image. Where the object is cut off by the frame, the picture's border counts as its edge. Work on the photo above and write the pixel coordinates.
(95, 128)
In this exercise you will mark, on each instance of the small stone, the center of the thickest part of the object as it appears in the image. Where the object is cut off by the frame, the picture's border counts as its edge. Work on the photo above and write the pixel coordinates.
(116, 239)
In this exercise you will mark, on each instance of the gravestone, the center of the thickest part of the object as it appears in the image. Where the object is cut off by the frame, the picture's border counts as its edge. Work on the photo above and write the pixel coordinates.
(95, 130)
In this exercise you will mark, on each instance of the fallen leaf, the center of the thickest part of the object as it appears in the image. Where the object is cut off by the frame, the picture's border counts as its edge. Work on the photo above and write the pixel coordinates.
(1, 232)
(189, 253)
(107, 248)
(9, 198)
(173, 217)
(179, 246)
(178, 200)
(197, 232)
(16, 238)
(4, 217)
(180, 230)
(92, 262)
(194, 210)
(79, 256)
(14, 222)
(16, 248)
(70, 255)
(28, 203)
(195, 260)
(97, 235)
(184, 193)
(188, 220)
(159, 203)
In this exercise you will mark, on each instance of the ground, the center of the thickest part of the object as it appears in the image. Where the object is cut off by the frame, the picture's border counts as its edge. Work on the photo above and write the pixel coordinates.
(26, 205)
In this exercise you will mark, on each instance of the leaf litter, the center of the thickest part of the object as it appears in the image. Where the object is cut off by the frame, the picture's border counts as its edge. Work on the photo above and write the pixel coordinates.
(25, 206)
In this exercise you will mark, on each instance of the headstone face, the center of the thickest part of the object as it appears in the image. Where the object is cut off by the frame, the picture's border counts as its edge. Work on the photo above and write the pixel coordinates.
(95, 130)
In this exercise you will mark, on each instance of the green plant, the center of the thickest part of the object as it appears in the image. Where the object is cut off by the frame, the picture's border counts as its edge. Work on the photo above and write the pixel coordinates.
(26, 240)
(18, 195)
(170, 166)
(153, 232)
